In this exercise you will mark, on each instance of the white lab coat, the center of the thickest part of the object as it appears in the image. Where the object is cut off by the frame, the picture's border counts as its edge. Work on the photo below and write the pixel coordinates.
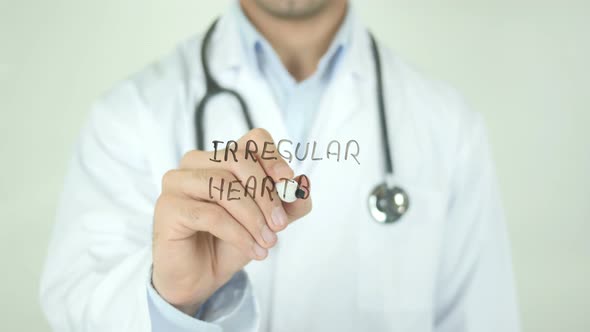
(444, 267)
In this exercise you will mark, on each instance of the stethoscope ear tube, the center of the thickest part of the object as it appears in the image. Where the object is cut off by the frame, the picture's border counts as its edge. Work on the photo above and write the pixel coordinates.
(213, 89)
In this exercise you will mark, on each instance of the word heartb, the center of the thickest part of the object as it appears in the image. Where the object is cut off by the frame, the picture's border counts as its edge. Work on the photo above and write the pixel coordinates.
(284, 148)
(236, 189)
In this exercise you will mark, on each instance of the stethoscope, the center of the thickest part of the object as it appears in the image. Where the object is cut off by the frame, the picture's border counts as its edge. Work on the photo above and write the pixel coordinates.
(387, 202)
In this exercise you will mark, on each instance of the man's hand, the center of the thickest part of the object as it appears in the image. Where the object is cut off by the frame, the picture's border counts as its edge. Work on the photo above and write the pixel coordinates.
(200, 242)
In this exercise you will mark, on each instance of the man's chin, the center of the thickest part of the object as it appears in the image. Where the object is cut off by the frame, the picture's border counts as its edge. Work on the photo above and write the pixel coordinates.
(292, 9)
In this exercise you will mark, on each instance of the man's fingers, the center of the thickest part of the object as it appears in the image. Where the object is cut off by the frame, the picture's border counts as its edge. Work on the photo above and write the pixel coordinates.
(256, 146)
(263, 189)
(254, 155)
(212, 218)
(196, 159)
(266, 153)
(221, 187)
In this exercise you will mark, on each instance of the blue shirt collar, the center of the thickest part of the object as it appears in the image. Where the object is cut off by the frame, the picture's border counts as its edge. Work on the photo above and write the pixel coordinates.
(261, 54)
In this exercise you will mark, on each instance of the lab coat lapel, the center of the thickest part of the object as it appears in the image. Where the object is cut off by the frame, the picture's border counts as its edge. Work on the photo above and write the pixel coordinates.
(342, 99)
(263, 107)
(338, 105)
(232, 69)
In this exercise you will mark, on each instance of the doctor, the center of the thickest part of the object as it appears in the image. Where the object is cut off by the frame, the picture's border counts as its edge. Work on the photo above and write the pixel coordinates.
(141, 245)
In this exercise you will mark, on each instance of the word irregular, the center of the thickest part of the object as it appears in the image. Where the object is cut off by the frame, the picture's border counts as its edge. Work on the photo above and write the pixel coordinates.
(284, 147)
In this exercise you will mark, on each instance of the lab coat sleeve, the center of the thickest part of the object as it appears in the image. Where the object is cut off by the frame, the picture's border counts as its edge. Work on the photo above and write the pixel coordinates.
(97, 274)
(475, 287)
(229, 308)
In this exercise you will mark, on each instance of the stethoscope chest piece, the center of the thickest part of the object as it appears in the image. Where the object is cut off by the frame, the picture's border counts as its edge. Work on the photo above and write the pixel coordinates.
(388, 205)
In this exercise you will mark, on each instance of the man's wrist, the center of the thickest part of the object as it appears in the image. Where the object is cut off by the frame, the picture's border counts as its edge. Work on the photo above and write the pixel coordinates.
(189, 309)
(187, 306)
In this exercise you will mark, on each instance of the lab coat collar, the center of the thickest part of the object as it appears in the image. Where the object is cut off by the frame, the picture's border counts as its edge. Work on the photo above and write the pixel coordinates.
(261, 54)
(225, 51)
(358, 60)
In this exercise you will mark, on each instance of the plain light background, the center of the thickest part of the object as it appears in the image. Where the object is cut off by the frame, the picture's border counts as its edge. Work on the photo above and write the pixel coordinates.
(523, 64)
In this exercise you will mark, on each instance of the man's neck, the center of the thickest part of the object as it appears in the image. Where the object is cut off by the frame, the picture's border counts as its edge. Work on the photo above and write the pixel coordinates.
(300, 43)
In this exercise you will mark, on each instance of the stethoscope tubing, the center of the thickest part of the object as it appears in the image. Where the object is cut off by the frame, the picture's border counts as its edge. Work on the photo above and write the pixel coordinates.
(213, 89)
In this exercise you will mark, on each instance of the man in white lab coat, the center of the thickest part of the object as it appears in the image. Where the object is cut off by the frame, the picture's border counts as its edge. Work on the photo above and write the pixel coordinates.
(147, 240)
